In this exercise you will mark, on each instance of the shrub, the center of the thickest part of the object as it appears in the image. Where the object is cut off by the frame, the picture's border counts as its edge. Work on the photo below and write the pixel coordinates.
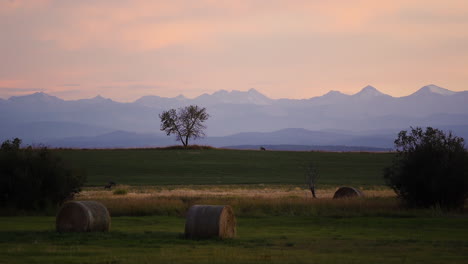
(35, 178)
(430, 169)
(120, 192)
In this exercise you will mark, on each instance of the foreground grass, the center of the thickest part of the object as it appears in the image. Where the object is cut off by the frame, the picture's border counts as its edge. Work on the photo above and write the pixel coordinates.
(158, 239)
(219, 166)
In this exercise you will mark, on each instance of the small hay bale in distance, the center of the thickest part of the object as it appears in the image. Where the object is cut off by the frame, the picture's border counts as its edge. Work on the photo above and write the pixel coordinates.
(209, 221)
(347, 192)
(83, 216)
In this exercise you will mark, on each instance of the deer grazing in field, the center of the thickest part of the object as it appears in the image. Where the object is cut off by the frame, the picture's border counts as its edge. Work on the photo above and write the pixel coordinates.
(109, 185)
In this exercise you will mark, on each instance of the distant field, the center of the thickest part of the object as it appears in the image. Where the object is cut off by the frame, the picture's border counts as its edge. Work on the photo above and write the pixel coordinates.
(218, 166)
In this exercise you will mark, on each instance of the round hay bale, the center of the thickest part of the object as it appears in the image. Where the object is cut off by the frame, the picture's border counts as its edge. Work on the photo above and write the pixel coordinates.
(206, 221)
(347, 192)
(83, 216)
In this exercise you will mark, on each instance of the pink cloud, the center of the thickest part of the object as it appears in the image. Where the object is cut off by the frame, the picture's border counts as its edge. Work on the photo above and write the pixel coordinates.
(11, 6)
(149, 25)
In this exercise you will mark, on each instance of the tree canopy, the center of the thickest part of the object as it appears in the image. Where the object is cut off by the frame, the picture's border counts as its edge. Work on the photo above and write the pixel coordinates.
(35, 178)
(186, 123)
(429, 169)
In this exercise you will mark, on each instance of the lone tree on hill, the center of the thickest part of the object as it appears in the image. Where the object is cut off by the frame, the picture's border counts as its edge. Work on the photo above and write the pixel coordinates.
(429, 169)
(185, 122)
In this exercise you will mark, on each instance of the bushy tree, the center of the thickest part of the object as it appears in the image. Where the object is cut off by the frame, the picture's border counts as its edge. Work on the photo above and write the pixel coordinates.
(11, 145)
(35, 178)
(185, 123)
(430, 169)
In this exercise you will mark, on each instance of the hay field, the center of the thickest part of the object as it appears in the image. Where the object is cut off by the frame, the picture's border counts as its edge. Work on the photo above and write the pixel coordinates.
(277, 219)
(249, 201)
(213, 191)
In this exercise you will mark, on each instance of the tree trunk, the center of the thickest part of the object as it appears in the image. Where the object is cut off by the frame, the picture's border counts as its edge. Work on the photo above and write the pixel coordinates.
(183, 142)
(312, 190)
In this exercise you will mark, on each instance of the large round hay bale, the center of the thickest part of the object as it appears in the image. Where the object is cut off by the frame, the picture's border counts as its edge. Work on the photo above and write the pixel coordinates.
(347, 192)
(83, 216)
(206, 221)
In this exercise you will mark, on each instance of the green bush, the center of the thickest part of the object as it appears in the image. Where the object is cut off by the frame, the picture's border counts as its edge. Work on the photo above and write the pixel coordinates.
(35, 178)
(120, 192)
(430, 169)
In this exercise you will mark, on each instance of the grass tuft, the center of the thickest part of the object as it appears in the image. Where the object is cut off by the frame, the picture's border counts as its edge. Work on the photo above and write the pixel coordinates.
(120, 192)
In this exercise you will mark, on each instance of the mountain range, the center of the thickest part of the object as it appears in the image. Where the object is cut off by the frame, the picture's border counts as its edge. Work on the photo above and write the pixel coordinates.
(368, 118)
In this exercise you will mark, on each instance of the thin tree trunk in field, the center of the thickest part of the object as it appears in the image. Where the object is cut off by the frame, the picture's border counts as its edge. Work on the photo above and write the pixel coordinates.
(312, 190)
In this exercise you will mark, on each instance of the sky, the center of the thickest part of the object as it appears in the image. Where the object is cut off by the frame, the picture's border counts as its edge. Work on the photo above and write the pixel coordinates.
(125, 49)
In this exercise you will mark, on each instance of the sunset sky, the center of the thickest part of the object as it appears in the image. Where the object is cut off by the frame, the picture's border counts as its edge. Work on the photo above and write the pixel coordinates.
(124, 49)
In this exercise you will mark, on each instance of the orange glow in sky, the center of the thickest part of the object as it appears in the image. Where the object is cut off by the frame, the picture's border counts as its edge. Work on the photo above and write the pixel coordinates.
(285, 49)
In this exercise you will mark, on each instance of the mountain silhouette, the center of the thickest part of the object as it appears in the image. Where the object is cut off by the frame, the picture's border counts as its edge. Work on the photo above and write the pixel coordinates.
(40, 116)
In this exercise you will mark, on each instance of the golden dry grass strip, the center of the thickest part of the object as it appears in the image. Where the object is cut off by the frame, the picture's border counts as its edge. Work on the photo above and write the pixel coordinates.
(226, 191)
(246, 200)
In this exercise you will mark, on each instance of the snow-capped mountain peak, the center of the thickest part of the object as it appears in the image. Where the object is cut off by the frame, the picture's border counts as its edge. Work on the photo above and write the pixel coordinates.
(99, 98)
(333, 93)
(36, 97)
(220, 93)
(251, 96)
(369, 92)
(180, 97)
(433, 89)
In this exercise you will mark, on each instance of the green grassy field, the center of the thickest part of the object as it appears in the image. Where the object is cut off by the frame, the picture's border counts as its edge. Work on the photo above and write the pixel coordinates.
(158, 239)
(277, 222)
(217, 166)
